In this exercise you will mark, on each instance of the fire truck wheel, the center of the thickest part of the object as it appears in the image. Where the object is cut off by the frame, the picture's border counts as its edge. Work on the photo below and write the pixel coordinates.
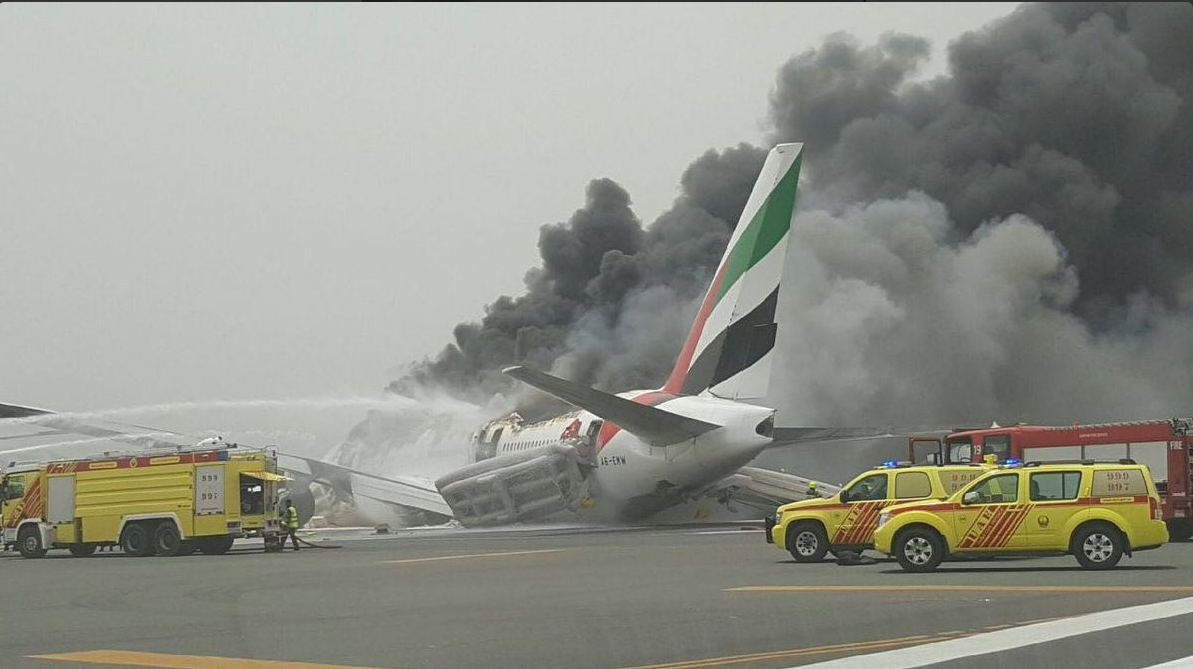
(135, 540)
(918, 549)
(807, 542)
(215, 545)
(1180, 529)
(82, 550)
(166, 540)
(188, 548)
(1098, 546)
(29, 541)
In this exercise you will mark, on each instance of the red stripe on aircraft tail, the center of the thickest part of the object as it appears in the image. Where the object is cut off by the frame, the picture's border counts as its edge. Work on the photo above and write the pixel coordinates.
(680, 372)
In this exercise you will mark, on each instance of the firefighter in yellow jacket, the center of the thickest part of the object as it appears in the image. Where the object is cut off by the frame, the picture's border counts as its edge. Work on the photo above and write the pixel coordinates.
(290, 519)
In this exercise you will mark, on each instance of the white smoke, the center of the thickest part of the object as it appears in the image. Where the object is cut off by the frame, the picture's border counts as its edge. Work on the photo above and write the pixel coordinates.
(892, 315)
(427, 436)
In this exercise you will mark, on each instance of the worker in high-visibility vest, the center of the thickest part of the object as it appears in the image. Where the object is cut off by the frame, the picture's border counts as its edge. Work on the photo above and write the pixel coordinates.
(290, 518)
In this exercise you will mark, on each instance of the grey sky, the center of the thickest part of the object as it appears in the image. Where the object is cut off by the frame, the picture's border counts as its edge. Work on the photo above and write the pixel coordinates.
(281, 201)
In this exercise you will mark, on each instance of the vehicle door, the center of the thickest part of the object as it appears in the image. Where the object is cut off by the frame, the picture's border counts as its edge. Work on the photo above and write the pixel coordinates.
(991, 512)
(13, 492)
(1053, 499)
(910, 486)
(864, 499)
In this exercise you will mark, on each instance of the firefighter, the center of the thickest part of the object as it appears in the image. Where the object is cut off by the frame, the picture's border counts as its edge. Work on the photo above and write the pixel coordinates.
(290, 517)
(812, 492)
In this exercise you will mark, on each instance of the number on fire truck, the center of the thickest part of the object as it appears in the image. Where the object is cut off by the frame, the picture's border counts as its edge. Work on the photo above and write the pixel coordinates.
(209, 490)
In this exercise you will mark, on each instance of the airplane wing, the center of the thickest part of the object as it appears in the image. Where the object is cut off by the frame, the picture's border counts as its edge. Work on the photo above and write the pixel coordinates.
(657, 426)
(794, 436)
(30, 430)
(765, 488)
(408, 491)
(35, 433)
(17, 411)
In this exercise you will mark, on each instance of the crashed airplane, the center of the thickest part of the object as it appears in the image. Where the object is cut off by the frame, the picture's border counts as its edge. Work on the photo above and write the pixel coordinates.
(618, 456)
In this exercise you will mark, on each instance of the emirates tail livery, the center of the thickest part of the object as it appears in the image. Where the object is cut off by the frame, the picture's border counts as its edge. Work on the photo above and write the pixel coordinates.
(632, 454)
(623, 456)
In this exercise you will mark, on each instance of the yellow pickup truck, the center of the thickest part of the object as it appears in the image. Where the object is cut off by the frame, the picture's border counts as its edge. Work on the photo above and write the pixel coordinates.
(812, 527)
(1095, 512)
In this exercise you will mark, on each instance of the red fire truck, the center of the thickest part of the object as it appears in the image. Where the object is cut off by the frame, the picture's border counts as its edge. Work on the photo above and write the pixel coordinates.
(1162, 445)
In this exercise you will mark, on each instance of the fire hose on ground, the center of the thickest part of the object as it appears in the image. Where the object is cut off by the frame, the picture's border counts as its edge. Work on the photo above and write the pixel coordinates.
(279, 543)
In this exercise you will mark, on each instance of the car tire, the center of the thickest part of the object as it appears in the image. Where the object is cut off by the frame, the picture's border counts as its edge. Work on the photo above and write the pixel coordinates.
(1098, 546)
(167, 542)
(82, 550)
(807, 542)
(136, 541)
(919, 549)
(29, 542)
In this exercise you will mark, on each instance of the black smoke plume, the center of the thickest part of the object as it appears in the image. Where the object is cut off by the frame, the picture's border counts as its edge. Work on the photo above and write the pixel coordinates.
(1013, 238)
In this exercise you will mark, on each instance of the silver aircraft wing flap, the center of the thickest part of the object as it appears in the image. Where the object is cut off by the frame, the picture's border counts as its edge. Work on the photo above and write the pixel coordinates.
(793, 436)
(407, 491)
(655, 425)
(765, 488)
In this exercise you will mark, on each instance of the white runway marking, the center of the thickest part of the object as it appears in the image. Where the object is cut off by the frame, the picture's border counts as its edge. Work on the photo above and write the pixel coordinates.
(1183, 663)
(1017, 637)
(474, 555)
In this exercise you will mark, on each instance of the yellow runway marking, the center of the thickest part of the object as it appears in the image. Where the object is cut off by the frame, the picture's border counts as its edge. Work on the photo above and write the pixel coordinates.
(859, 647)
(474, 555)
(171, 661)
(963, 588)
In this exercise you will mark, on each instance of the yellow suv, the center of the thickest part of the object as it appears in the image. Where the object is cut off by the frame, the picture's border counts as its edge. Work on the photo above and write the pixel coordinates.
(1095, 512)
(812, 527)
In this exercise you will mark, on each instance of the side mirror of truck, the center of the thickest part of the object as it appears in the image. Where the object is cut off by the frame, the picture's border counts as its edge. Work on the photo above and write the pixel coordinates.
(971, 497)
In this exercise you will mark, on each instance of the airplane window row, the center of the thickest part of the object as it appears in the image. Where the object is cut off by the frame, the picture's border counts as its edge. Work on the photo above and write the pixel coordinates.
(529, 444)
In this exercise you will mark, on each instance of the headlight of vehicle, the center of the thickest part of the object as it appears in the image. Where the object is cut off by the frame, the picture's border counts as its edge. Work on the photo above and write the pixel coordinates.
(882, 518)
(778, 517)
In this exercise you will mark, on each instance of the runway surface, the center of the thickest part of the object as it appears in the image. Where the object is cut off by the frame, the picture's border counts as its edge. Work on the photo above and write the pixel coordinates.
(677, 598)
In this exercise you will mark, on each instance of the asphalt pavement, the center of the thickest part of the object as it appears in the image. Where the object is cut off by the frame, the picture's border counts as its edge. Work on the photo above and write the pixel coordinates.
(565, 598)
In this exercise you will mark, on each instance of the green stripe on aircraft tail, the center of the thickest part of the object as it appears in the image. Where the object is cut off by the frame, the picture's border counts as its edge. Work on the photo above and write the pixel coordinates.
(766, 228)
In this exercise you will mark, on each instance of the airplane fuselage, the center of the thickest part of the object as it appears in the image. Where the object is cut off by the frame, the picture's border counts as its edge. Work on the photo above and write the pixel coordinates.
(630, 477)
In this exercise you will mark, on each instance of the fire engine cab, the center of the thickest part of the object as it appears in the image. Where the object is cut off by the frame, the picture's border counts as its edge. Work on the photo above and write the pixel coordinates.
(1162, 445)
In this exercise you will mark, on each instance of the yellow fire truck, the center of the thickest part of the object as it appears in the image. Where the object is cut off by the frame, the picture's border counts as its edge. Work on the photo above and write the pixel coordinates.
(148, 503)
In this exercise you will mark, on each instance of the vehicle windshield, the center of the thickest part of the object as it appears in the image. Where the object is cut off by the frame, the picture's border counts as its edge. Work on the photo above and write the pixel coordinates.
(870, 488)
(960, 449)
(922, 448)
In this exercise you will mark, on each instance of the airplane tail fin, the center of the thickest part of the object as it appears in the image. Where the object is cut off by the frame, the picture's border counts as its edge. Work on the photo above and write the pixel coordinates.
(728, 351)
